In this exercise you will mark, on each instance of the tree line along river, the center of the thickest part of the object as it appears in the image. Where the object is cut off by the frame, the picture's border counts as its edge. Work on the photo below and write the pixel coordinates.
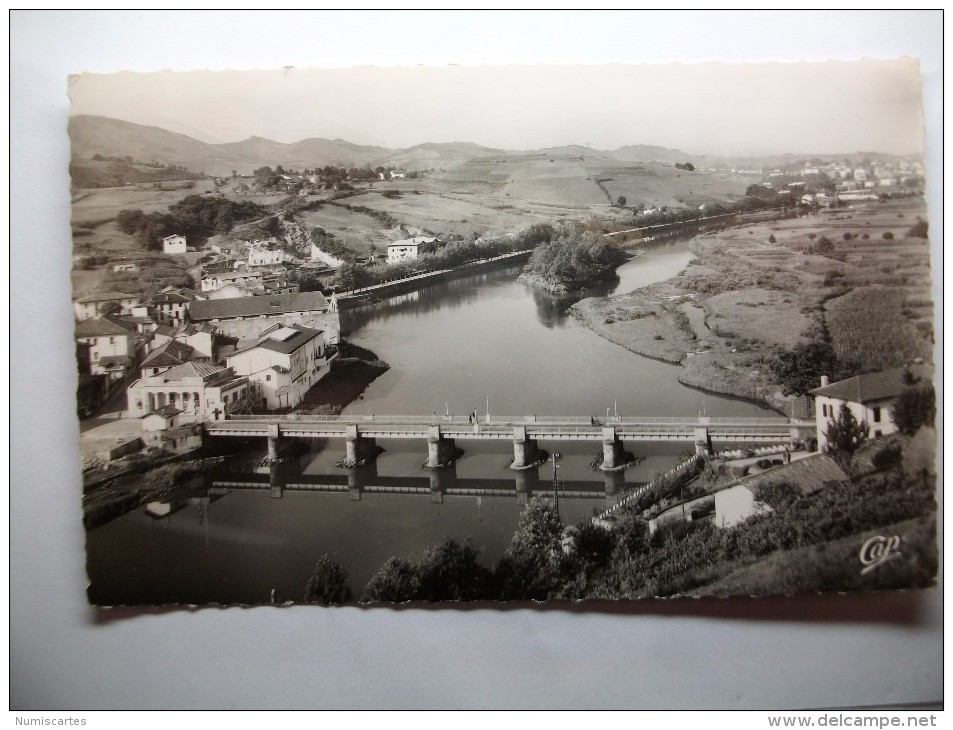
(456, 346)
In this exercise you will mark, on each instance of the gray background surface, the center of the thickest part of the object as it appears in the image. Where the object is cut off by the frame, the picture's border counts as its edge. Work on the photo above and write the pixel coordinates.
(808, 651)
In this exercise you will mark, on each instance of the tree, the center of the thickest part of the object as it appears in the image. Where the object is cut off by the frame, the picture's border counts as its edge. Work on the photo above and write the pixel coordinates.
(913, 408)
(845, 436)
(799, 370)
(450, 572)
(620, 201)
(396, 582)
(130, 221)
(530, 567)
(328, 584)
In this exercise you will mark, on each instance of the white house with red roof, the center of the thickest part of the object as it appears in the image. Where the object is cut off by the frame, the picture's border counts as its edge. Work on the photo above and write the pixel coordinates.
(285, 362)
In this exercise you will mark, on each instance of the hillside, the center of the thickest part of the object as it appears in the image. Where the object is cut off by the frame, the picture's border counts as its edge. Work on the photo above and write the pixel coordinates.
(433, 155)
(115, 138)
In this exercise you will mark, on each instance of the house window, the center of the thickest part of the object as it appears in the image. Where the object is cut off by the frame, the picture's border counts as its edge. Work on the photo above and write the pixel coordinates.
(824, 410)
(112, 340)
(877, 415)
(268, 377)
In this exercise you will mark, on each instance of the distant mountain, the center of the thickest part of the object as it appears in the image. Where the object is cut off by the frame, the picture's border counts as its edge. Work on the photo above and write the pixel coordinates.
(114, 138)
(92, 135)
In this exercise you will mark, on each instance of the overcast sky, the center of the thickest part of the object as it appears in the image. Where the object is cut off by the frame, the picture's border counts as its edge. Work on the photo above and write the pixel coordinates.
(700, 108)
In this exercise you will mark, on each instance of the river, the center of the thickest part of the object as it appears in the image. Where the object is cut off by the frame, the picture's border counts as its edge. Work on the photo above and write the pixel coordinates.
(486, 343)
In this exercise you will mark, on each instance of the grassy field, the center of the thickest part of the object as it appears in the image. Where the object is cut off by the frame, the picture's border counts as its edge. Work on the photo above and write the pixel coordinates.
(495, 195)
(770, 285)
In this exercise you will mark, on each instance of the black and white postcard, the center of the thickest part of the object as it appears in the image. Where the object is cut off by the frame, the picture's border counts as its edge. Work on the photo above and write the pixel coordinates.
(503, 333)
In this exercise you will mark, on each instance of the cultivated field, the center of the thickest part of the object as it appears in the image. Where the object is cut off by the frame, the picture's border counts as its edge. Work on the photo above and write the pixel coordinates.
(770, 286)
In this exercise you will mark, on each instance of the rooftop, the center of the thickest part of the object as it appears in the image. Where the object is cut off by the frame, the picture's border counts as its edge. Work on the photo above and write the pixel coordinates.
(106, 296)
(870, 387)
(101, 326)
(169, 354)
(258, 306)
(167, 411)
(282, 339)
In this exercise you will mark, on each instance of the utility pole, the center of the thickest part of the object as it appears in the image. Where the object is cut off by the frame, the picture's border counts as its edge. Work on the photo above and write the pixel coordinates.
(556, 483)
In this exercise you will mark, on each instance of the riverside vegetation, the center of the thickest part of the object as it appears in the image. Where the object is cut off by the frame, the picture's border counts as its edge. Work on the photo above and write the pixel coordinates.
(801, 540)
(838, 293)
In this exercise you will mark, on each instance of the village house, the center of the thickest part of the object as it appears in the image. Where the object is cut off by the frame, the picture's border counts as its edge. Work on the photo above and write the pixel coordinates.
(172, 306)
(96, 304)
(201, 391)
(214, 281)
(166, 356)
(198, 342)
(129, 266)
(409, 248)
(110, 344)
(162, 429)
(246, 317)
(869, 397)
(174, 244)
(263, 254)
(285, 362)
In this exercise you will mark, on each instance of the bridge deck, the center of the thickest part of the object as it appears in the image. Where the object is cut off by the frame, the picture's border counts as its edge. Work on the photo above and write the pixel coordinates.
(502, 427)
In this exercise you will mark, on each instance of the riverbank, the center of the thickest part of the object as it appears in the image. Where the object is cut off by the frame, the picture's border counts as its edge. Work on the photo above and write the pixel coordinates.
(766, 287)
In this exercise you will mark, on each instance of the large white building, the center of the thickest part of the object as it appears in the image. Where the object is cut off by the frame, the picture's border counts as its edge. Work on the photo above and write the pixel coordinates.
(869, 397)
(201, 391)
(285, 362)
(408, 248)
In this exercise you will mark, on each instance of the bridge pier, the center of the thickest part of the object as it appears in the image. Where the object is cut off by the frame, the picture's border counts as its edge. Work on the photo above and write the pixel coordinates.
(525, 451)
(274, 435)
(358, 449)
(613, 455)
(441, 451)
(703, 445)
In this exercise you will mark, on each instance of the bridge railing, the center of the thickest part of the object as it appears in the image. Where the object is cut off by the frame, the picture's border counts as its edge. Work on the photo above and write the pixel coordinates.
(548, 421)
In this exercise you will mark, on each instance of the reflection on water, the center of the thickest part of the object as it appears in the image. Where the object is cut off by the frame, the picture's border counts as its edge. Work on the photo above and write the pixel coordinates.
(251, 529)
(485, 342)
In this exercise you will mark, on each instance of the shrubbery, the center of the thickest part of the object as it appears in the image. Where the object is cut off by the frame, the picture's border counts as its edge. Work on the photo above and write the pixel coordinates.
(196, 217)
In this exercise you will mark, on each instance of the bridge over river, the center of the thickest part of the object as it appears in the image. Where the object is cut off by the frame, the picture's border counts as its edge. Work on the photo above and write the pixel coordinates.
(442, 432)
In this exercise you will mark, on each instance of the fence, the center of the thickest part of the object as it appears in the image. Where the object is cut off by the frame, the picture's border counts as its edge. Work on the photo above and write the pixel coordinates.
(633, 496)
